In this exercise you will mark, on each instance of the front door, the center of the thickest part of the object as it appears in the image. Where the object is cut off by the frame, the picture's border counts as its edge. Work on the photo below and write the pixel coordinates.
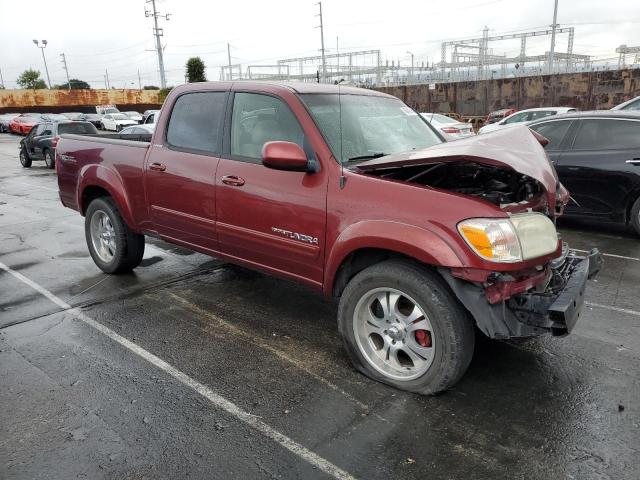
(180, 170)
(31, 141)
(269, 218)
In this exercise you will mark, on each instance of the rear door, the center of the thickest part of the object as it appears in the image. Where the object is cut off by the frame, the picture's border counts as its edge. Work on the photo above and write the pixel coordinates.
(181, 166)
(601, 167)
(270, 218)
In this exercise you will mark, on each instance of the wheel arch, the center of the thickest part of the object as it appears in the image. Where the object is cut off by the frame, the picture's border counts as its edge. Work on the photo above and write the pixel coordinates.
(97, 182)
(367, 243)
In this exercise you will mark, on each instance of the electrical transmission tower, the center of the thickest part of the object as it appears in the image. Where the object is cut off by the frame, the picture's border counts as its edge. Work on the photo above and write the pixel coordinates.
(66, 69)
(158, 32)
(324, 61)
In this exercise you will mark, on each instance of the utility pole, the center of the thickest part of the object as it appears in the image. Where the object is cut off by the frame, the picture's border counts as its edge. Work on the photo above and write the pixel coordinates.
(139, 82)
(64, 65)
(229, 61)
(324, 61)
(106, 76)
(158, 32)
(1, 80)
(553, 35)
(44, 45)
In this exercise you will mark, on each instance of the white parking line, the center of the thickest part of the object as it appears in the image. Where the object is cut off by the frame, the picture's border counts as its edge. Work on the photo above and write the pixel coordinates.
(636, 259)
(217, 400)
(615, 309)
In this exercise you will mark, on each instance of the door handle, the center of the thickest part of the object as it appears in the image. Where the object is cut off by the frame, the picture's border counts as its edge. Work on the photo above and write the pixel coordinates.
(633, 161)
(158, 167)
(233, 181)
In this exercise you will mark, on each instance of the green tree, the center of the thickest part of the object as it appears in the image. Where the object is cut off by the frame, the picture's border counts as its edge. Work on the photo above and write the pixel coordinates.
(150, 87)
(162, 94)
(31, 79)
(195, 70)
(75, 85)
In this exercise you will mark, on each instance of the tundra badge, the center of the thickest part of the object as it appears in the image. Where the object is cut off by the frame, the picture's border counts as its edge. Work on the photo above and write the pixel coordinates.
(295, 235)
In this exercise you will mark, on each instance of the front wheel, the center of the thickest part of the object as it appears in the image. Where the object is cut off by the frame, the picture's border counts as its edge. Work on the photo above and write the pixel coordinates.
(25, 160)
(635, 216)
(114, 247)
(402, 326)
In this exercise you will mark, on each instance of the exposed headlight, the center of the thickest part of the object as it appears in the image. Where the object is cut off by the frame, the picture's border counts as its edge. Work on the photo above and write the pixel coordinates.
(514, 239)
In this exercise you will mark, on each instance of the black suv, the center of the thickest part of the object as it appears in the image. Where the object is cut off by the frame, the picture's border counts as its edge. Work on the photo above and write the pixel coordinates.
(597, 157)
(41, 141)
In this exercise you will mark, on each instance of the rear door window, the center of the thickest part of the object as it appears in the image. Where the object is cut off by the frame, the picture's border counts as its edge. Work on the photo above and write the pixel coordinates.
(76, 128)
(553, 131)
(196, 122)
(607, 134)
(536, 115)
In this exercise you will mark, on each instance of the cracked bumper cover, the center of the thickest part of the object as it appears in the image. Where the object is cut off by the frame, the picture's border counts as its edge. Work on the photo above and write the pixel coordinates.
(549, 310)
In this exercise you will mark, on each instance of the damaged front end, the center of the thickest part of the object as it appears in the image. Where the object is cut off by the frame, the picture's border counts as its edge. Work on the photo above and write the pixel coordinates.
(510, 170)
(504, 308)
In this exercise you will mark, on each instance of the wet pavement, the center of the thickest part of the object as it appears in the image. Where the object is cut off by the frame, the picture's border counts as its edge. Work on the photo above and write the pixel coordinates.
(77, 404)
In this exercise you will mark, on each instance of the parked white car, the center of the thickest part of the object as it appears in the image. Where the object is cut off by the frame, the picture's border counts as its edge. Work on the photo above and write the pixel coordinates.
(525, 117)
(116, 121)
(449, 128)
(138, 130)
(633, 104)
(135, 116)
(149, 116)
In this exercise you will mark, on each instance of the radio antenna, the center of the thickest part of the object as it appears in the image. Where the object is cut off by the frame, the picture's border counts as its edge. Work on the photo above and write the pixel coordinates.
(343, 179)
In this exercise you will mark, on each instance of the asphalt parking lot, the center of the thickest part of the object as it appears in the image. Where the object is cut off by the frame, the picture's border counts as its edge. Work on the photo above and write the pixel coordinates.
(191, 367)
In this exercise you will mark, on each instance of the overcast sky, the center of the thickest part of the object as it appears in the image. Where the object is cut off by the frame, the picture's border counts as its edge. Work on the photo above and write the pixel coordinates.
(114, 34)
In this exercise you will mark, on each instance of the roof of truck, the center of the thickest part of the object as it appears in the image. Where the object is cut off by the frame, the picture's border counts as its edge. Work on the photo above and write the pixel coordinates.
(297, 87)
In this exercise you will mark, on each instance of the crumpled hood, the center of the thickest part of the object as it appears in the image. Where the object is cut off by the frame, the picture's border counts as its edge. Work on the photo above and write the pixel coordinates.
(514, 148)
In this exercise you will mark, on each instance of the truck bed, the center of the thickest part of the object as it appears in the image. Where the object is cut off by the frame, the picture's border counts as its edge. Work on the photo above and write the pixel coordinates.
(114, 163)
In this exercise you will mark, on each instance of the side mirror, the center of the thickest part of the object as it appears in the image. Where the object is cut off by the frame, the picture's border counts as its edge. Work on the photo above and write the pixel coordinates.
(285, 156)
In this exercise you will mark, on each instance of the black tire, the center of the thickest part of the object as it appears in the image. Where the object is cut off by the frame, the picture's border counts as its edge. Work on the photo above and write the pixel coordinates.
(129, 245)
(25, 159)
(634, 220)
(453, 329)
(49, 158)
(101, 127)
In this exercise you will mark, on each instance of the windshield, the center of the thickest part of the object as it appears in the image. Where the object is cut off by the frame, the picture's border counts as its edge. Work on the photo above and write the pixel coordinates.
(119, 116)
(132, 114)
(372, 126)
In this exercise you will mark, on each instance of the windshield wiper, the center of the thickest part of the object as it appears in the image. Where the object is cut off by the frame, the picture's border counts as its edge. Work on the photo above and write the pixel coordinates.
(371, 156)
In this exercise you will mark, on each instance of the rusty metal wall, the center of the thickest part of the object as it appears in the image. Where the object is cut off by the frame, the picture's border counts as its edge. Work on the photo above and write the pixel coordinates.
(75, 100)
(585, 91)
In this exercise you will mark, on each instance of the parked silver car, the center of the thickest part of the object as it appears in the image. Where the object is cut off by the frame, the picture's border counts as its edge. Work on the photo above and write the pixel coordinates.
(449, 128)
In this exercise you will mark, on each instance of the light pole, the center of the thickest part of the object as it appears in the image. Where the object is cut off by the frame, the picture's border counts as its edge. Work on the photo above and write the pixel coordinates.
(411, 65)
(44, 45)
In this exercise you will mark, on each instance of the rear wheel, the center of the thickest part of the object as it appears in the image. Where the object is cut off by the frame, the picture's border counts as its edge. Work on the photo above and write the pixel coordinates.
(49, 158)
(402, 326)
(114, 247)
(25, 160)
(635, 216)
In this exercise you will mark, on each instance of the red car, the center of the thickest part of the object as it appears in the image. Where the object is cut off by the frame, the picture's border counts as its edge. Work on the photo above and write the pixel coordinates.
(23, 124)
(352, 193)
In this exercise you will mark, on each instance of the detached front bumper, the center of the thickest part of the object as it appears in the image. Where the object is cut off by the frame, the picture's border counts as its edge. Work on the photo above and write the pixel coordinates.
(552, 308)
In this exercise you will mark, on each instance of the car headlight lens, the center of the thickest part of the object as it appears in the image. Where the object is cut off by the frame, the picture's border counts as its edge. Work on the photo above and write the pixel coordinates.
(507, 240)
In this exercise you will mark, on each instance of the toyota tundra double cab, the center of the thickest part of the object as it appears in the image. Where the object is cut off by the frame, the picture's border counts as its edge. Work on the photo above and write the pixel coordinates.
(352, 193)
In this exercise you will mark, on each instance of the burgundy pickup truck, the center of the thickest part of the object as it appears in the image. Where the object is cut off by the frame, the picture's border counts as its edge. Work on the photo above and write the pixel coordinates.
(351, 192)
